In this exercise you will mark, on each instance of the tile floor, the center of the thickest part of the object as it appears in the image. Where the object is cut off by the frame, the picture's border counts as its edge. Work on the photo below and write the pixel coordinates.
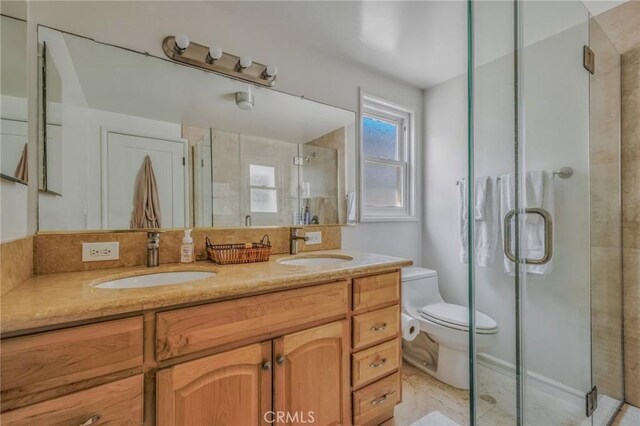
(422, 394)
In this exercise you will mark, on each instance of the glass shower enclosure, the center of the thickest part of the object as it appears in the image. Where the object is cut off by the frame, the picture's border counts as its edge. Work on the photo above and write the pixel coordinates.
(544, 215)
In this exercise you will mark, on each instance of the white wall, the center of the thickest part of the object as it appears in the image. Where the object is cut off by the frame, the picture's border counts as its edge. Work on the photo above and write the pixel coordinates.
(555, 102)
(302, 71)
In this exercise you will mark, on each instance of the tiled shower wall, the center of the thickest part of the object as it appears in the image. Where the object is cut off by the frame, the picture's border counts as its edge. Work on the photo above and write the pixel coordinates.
(631, 220)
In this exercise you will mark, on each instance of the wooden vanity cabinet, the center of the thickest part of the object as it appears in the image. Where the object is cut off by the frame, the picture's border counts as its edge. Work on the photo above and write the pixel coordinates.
(305, 379)
(312, 376)
(230, 388)
(322, 354)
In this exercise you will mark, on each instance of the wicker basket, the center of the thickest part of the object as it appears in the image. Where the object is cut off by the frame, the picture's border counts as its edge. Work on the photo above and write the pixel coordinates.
(225, 254)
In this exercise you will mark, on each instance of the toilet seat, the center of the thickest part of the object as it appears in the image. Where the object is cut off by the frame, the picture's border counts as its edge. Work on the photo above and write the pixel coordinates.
(457, 317)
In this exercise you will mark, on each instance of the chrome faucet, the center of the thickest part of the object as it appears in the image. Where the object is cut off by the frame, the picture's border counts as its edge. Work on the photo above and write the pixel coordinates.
(294, 238)
(153, 248)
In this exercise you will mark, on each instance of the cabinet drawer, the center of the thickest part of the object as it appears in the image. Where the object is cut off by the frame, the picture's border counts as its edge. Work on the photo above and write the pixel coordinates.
(375, 399)
(369, 364)
(190, 330)
(376, 326)
(41, 362)
(117, 403)
(375, 290)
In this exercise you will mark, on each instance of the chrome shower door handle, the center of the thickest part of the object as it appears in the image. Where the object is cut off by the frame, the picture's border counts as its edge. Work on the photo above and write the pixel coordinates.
(548, 236)
(507, 235)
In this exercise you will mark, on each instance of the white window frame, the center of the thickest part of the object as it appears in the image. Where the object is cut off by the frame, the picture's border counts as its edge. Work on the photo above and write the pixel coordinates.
(388, 111)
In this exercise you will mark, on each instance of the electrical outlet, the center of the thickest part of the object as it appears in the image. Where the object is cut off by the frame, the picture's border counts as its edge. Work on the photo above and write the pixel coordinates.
(314, 238)
(96, 252)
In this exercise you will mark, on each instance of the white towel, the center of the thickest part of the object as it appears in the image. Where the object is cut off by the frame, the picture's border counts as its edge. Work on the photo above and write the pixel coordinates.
(481, 186)
(534, 191)
(463, 220)
(533, 233)
(487, 229)
(351, 207)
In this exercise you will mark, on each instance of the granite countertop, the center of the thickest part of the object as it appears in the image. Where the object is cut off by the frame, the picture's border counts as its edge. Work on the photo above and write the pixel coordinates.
(49, 300)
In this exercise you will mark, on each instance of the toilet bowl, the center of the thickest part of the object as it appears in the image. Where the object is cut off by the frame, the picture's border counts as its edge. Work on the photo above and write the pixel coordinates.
(445, 324)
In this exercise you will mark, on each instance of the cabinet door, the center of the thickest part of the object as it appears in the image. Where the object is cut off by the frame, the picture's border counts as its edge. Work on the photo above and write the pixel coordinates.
(312, 376)
(231, 388)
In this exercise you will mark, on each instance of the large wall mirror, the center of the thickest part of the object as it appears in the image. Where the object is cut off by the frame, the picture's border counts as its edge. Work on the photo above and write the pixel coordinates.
(13, 94)
(125, 130)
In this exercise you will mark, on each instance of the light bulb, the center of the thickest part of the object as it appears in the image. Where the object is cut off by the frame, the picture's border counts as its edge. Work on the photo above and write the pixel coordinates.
(245, 62)
(271, 71)
(182, 42)
(215, 53)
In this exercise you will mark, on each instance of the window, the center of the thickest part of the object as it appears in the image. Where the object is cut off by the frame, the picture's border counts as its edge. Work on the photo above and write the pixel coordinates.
(386, 162)
(262, 184)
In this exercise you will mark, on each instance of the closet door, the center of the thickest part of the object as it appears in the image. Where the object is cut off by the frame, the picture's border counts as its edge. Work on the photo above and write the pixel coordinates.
(312, 376)
(231, 388)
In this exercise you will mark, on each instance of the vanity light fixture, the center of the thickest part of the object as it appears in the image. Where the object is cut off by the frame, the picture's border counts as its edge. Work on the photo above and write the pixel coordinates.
(180, 49)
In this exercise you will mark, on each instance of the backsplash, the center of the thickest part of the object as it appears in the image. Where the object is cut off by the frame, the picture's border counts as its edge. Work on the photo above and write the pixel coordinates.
(16, 262)
(63, 252)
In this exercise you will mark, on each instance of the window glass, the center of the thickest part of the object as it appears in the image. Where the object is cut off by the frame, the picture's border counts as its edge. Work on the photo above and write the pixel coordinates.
(264, 200)
(262, 176)
(383, 185)
(380, 138)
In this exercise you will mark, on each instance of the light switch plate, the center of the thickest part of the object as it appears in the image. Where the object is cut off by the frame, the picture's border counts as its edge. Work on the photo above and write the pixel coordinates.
(314, 238)
(96, 252)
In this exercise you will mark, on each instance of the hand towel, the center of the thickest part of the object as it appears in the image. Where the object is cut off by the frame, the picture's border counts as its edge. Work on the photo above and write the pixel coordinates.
(351, 208)
(534, 191)
(534, 233)
(507, 203)
(481, 186)
(463, 220)
(487, 229)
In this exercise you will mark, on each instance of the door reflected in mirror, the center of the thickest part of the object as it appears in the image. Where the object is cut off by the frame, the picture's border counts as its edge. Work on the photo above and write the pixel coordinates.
(133, 133)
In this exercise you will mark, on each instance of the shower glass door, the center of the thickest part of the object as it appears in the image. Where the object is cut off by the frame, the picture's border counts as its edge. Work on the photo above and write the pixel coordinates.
(543, 218)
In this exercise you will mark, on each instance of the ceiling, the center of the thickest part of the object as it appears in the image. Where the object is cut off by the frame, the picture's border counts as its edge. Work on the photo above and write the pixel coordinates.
(125, 82)
(422, 43)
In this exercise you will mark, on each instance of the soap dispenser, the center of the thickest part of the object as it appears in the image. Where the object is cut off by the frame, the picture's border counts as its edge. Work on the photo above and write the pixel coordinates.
(187, 254)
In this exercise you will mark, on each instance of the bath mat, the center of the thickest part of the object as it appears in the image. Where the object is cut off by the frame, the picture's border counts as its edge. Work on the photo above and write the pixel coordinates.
(435, 418)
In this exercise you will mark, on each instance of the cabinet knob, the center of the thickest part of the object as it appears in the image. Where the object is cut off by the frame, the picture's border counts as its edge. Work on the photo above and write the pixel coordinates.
(90, 421)
(267, 365)
(379, 327)
(281, 360)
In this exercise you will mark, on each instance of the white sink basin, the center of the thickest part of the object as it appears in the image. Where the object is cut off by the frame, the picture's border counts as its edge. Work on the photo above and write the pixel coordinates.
(155, 280)
(311, 260)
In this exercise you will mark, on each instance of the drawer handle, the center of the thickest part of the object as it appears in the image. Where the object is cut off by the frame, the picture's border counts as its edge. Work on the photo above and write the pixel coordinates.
(266, 366)
(91, 421)
(281, 360)
(381, 327)
(377, 364)
(380, 400)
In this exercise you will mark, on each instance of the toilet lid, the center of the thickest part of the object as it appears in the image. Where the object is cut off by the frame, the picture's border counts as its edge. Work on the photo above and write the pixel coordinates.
(458, 315)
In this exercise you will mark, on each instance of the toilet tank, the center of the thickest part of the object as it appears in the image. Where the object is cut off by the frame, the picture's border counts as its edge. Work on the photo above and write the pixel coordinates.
(419, 287)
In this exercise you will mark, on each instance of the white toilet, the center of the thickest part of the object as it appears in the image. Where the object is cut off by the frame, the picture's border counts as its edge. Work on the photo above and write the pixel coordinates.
(443, 323)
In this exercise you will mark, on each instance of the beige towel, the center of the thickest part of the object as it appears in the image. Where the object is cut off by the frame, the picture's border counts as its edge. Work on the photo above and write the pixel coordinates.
(146, 203)
(22, 171)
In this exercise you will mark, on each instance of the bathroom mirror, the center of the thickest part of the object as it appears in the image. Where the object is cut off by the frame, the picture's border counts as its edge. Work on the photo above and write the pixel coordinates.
(129, 127)
(13, 92)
